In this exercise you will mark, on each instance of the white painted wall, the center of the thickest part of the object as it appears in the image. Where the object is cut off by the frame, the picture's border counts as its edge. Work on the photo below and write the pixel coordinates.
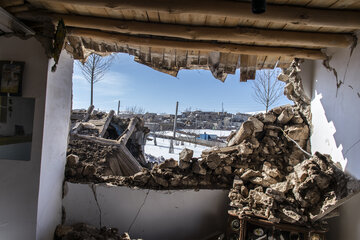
(336, 124)
(336, 112)
(19, 180)
(30, 200)
(56, 129)
(164, 215)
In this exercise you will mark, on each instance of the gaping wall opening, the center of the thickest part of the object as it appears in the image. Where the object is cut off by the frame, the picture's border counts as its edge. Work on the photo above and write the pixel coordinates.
(194, 128)
(266, 163)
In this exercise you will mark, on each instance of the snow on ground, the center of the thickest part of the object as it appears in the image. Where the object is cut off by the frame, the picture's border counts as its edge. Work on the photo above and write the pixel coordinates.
(162, 148)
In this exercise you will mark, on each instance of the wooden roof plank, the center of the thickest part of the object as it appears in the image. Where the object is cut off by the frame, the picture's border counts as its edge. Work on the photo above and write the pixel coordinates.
(293, 15)
(196, 45)
(237, 35)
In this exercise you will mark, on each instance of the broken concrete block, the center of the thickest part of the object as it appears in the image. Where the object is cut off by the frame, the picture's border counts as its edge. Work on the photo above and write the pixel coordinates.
(198, 168)
(142, 177)
(254, 143)
(272, 133)
(321, 180)
(261, 198)
(160, 180)
(282, 187)
(271, 170)
(245, 131)
(277, 195)
(279, 109)
(298, 132)
(184, 165)
(227, 170)
(258, 125)
(169, 163)
(218, 171)
(250, 174)
(269, 117)
(125, 236)
(175, 181)
(89, 170)
(291, 214)
(237, 182)
(286, 115)
(244, 191)
(297, 119)
(283, 77)
(296, 156)
(301, 172)
(312, 196)
(245, 148)
(72, 160)
(213, 161)
(186, 155)
(267, 180)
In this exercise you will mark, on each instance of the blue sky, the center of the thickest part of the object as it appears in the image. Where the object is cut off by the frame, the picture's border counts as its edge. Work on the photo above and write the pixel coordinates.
(135, 84)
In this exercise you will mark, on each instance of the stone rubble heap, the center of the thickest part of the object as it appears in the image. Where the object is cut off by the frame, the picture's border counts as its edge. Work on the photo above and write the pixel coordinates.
(83, 231)
(260, 140)
(259, 144)
(86, 160)
(303, 195)
(266, 163)
(266, 166)
(97, 147)
(294, 90)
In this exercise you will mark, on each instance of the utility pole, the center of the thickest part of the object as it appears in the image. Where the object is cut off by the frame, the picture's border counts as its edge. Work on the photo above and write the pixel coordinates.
(222, 107)
(118, 111)
(171, 149)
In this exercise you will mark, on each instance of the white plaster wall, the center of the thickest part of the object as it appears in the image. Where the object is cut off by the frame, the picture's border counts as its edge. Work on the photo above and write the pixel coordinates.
(336, 125)
(56, 129)
(162, 215)
(19, 180)
(30, 199)
(336, 111)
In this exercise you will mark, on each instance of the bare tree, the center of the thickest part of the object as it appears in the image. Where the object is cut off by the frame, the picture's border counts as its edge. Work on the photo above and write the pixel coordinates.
(94, 70)
(267, 89)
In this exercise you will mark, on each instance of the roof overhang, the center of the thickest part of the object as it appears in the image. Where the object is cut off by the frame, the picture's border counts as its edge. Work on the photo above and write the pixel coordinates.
(220, 35)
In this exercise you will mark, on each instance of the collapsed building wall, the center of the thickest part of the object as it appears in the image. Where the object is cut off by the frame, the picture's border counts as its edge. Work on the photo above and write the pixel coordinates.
(267, 166)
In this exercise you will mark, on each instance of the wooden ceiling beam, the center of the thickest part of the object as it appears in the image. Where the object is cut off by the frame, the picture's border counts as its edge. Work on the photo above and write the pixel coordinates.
(222, 34)
(197, 45)
(292, 15)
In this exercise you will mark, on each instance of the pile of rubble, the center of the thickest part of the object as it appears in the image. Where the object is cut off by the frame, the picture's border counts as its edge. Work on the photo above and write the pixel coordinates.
(311, 190)
(86, 160)
(275, 176)
(102, 144)
(262, 140)
(266, 164)
(83, 231)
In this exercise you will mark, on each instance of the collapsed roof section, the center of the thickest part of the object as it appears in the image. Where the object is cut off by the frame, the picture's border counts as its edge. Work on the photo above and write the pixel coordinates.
(219, 35)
